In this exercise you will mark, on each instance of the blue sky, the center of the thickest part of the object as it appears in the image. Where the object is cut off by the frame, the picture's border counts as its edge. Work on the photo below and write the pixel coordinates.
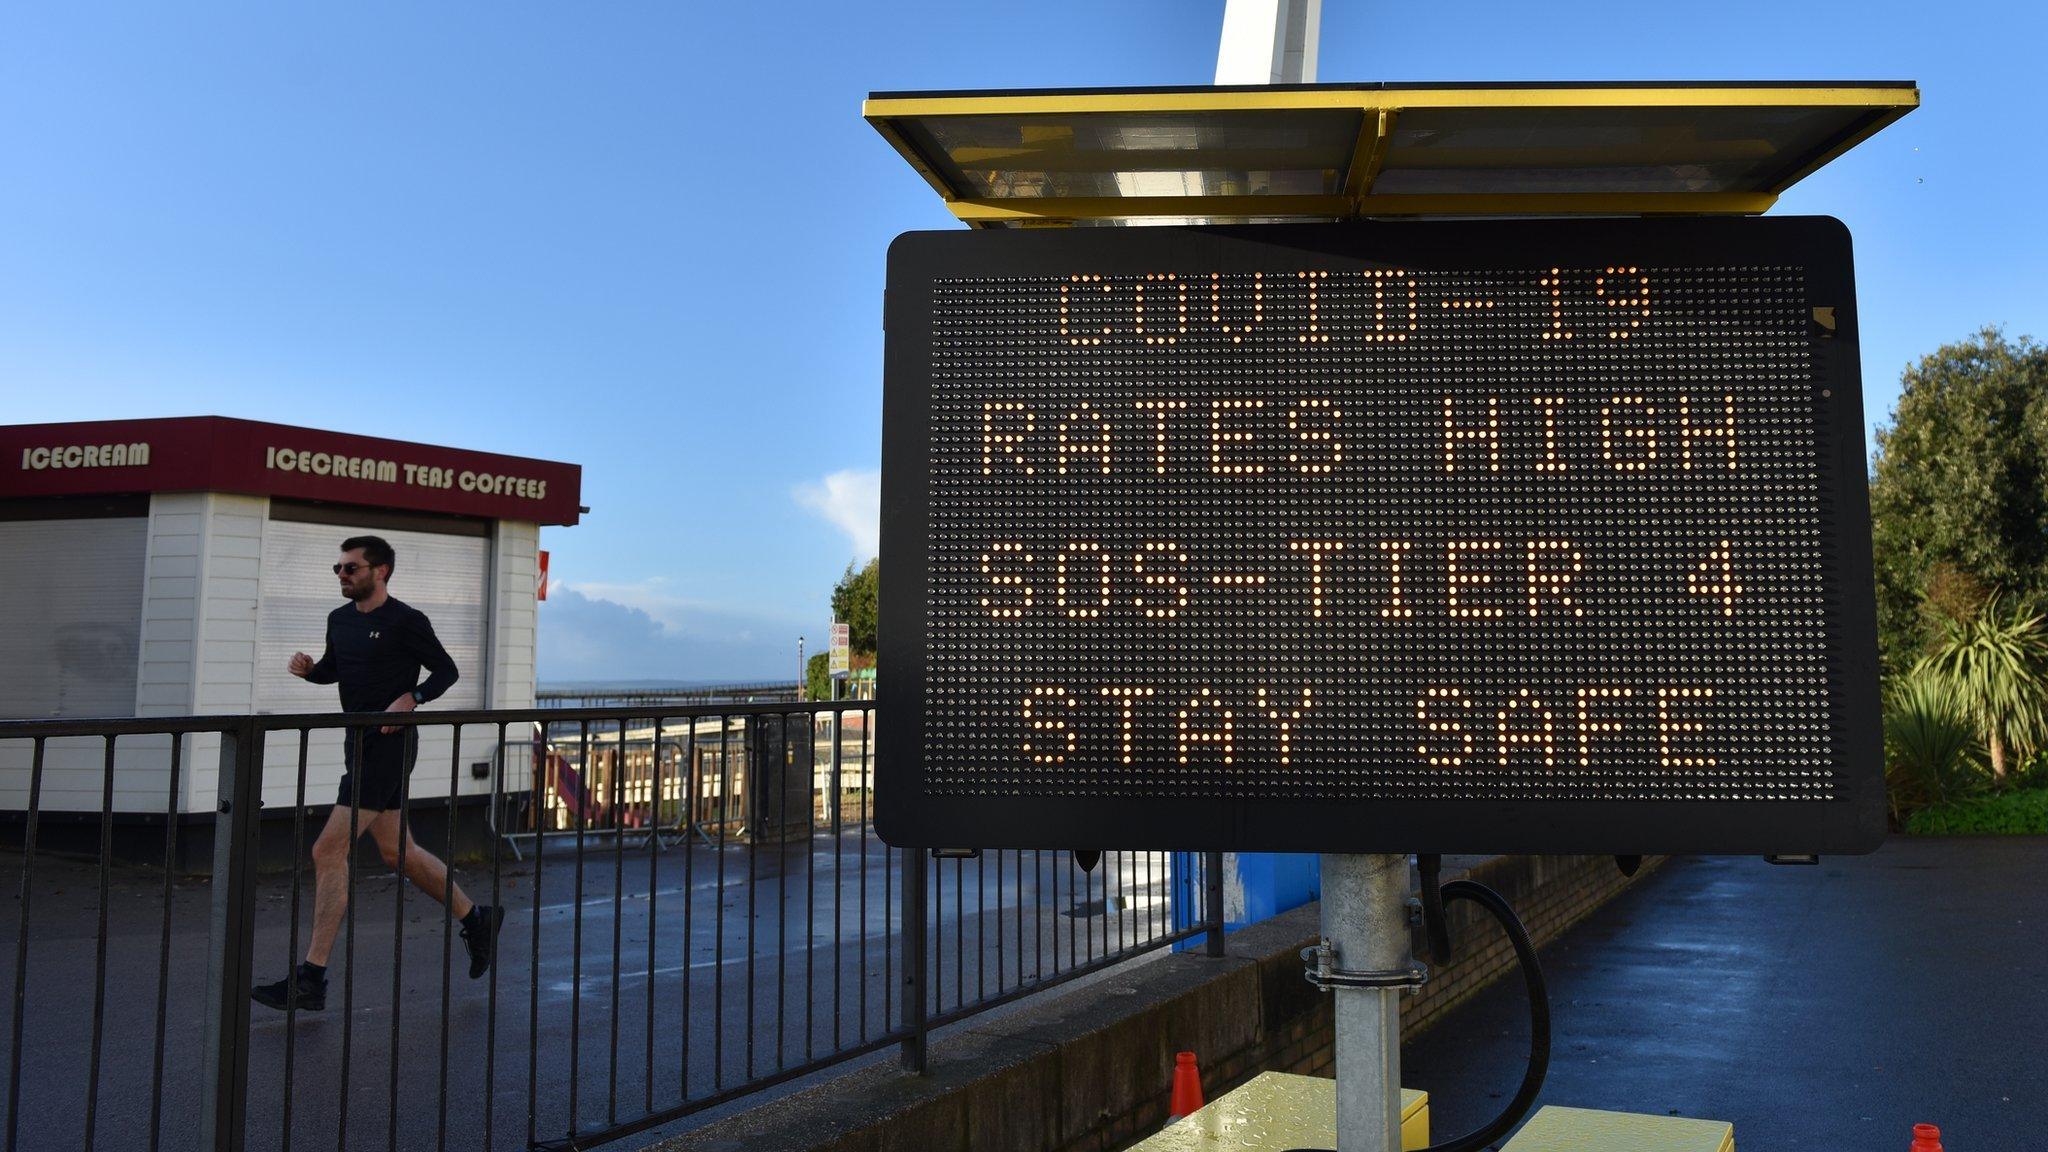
(649, 238)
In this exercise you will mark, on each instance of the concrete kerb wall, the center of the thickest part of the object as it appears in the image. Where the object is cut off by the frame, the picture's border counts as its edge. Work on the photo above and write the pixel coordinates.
(1091, 1068)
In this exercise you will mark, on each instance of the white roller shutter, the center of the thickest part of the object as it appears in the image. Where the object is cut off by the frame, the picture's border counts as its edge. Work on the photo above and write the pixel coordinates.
(445, 576)
(75, 587)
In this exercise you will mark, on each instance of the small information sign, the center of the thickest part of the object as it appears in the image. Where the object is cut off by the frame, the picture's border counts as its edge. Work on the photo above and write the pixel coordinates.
(840, 664)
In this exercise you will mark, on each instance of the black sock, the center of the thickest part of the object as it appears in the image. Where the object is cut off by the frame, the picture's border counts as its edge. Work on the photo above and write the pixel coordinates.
(475, 917)
(311, 973)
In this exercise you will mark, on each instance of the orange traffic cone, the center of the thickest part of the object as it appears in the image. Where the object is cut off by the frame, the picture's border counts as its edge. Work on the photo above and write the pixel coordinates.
(1187, 1087)
(1926, 1138)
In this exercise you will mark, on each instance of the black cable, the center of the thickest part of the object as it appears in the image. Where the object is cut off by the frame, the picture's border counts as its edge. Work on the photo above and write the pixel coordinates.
(1539, 1014)
(1434, 926)
(1539, 1018)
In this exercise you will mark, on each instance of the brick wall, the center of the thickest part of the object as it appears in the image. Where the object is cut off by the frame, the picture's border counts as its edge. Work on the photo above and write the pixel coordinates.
(1549, 894)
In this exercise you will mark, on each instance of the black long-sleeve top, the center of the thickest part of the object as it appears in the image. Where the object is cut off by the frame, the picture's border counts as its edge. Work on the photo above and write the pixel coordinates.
(376, 656)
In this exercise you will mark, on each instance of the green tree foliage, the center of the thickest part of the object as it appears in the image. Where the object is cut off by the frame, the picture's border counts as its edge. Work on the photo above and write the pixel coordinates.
(1958, 494)
(853, 600)
(817, 676)
(1996, 663)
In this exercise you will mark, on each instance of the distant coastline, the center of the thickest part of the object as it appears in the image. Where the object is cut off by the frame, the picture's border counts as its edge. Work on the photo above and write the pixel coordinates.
(596, 687)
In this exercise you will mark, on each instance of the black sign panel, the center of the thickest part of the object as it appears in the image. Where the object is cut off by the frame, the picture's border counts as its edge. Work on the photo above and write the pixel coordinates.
(1505, 536)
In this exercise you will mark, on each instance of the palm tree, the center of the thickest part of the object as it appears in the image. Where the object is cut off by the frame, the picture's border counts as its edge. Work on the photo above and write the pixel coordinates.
(1998, 666)
(1930, 744)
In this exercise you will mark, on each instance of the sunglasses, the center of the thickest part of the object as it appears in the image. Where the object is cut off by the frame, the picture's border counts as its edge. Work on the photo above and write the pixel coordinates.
(350, 568)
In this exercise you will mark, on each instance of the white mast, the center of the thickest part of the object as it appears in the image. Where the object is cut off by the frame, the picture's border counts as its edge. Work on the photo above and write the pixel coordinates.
(1269, 42)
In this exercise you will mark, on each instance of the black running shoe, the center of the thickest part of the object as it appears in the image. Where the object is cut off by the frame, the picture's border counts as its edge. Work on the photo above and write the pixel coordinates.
(312, 995)
(483, 941)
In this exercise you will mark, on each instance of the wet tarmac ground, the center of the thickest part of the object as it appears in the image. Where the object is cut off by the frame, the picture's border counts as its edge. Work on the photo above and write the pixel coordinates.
(1826, 1007)
(1816, 1008)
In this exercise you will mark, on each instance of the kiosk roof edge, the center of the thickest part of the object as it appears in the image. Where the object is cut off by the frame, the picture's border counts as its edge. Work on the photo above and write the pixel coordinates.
(227, 454)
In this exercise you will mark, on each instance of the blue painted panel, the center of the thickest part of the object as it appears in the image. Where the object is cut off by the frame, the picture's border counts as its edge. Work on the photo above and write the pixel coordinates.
(1256, 886)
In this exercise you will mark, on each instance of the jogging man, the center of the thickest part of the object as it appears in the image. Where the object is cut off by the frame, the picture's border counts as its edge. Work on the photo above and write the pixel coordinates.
(376, 646)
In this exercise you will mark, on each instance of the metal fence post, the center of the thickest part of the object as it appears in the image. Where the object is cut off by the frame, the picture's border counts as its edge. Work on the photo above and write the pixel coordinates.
(231, 940)
(915, 965)
(837, 716)
(1212, 868)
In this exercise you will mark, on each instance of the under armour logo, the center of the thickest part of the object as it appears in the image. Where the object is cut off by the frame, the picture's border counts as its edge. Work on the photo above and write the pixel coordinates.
(374, 635)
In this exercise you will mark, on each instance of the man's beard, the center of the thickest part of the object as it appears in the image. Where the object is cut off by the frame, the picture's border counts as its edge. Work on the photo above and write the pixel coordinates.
(354, 591)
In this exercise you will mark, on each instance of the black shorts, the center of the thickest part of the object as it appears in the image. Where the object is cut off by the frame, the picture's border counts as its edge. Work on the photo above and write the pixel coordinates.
(380, 763)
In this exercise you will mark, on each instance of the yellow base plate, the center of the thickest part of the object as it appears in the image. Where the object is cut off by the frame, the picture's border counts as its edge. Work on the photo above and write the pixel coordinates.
(1278, 1110)
(1554, 1129)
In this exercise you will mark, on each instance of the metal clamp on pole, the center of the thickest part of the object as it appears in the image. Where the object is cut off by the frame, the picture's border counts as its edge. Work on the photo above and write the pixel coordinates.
(1322, 971)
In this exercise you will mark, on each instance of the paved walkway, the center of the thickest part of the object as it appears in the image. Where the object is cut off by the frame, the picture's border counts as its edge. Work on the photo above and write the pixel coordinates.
(1816, 1008)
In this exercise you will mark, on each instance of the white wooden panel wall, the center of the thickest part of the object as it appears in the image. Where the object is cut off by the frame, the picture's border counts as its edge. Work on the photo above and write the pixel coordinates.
(513, 638)
(512, 629)
(170, 604)
(229, 600)
(192, 603)
(216, 597)
(166, 678)
(221, 602)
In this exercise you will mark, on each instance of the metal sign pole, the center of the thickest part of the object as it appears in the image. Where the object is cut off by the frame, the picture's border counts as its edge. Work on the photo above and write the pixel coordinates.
(1365, 913)
(1364, 961)
(1364, 958)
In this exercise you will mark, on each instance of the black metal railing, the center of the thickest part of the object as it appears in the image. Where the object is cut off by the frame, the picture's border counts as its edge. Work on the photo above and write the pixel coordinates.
(697, 909)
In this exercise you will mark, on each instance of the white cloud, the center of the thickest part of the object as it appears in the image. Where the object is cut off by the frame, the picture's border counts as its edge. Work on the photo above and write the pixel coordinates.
(680, 615)
(851, 500)
(595, 632)
(649, 596)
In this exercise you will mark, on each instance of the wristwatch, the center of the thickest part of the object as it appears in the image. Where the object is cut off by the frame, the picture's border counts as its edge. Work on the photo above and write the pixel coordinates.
(419, 697)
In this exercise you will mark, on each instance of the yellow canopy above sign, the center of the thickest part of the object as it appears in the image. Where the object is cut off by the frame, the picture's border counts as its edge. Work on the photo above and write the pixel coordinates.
(1342, 151)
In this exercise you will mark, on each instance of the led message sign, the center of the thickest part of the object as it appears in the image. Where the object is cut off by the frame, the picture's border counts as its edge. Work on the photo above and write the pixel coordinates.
(1504, 536)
